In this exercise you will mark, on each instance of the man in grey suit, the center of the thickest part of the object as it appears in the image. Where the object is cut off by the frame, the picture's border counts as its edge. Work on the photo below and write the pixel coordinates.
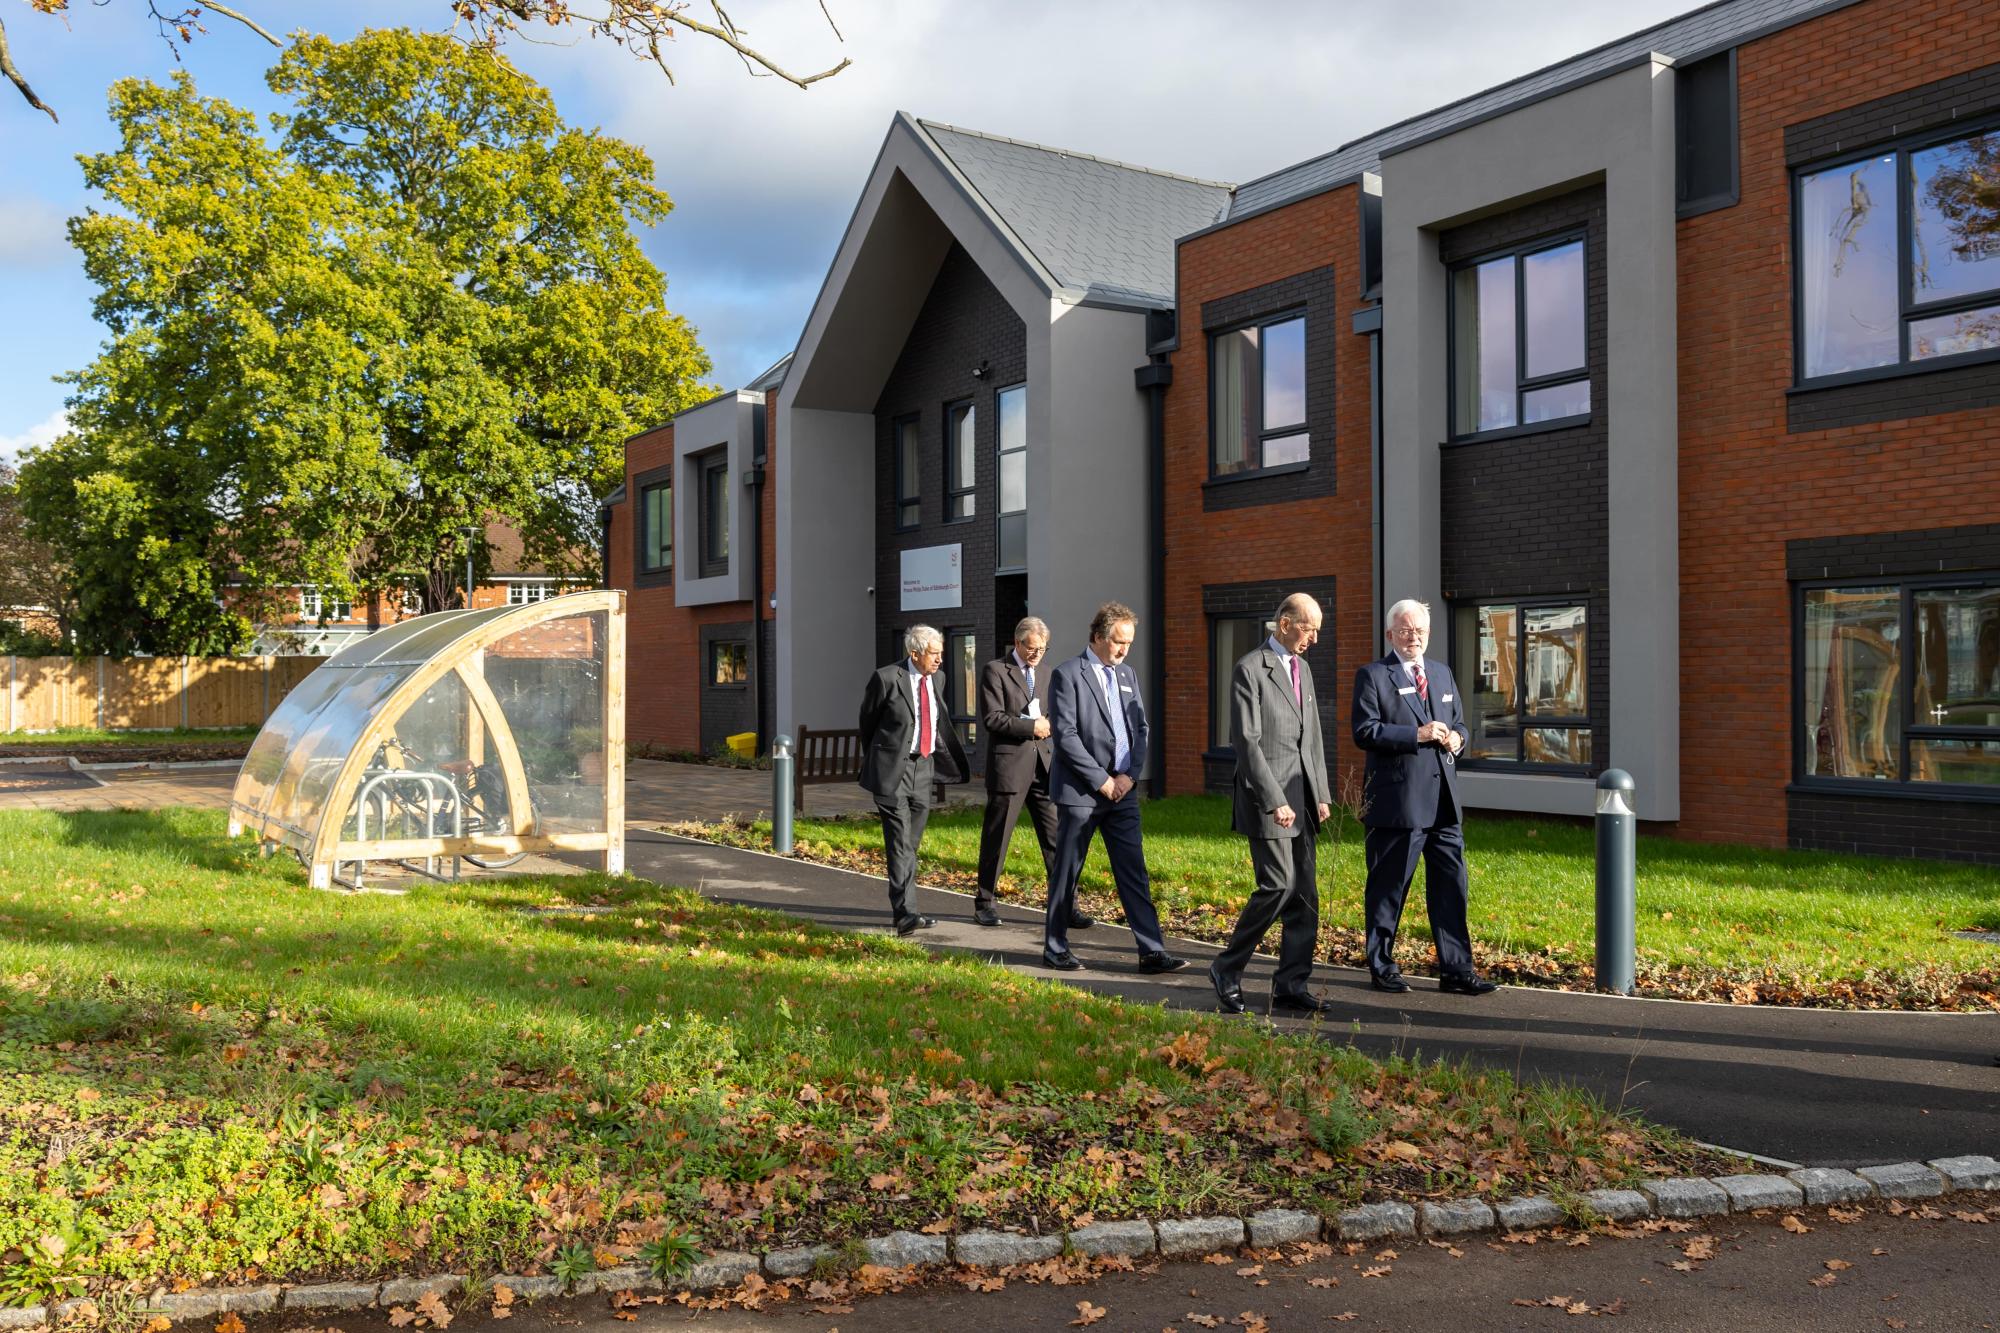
(903, 724)
(1281, 797)
(1100, 732)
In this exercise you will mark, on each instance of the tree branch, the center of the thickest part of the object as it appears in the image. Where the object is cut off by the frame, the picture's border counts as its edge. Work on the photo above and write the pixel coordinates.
(244, 19)
(14, 77)
(726, 34)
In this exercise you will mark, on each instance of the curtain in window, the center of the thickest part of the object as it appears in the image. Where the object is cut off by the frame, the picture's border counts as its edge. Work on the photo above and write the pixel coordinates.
(1231, 379)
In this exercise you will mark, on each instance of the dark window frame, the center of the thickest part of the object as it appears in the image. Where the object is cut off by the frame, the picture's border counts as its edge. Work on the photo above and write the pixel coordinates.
(1524, 384)
(1254, 467)
(963, 713)
(906, 438)
(969, 487)
(1574, 722)
(665, 484)
(1000, 515)
(1907, 586)
(715, 647)
(707, 466)
(1906, 309)
(1219, 743)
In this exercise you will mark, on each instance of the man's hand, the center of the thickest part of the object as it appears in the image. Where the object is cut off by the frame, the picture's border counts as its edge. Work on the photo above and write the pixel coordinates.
(1041, 728)
(1284, 815)
(1433, 732)
(1325, 812)
(1108, 789)
(1120, 786)
(1455, 741)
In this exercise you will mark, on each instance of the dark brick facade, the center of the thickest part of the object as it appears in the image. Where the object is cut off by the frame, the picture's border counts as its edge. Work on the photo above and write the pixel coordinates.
(1908, 554)
(1312, 294)
(1229, 600)
(1527, 516)
(964, 323)
(1917, 392)
(725, 709)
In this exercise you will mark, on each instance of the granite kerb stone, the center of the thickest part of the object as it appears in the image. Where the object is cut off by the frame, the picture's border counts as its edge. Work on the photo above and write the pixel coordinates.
(798, 1260)
(1686, 1197)
(32, 1316)
(407, 1290)
(1750, 1192)
(1376, 1221)
(1618, 1205)
(332, 1296)
(723, 1268)
(1529, 1212)
(1903, 1180)
(998, 1249)
(207, 1302)
(1130, 1238)
(1200, 1235)
(1825, 1185)
(525, 1288)
(907, 1249)
(1968, 1173)
(622, 1277)
(1283, 1226)
(1456, 1217)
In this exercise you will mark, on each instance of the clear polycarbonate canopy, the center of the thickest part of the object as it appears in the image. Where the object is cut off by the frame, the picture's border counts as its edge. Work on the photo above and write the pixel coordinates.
(499, 730)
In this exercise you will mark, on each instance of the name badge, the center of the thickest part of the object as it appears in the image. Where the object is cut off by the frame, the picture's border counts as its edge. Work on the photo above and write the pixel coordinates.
(1407, 689)
(1447, 698)
(1124, 689)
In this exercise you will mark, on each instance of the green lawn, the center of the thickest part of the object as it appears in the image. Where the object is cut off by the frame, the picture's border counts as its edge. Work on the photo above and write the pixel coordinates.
(1714, 922)
(94, 736)
(211, 1072)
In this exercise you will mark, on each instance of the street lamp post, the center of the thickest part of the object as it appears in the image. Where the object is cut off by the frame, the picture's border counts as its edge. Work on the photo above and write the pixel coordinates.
(469, 533)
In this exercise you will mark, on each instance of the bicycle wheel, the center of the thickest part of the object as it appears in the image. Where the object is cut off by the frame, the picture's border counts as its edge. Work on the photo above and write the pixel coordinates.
(486, 812)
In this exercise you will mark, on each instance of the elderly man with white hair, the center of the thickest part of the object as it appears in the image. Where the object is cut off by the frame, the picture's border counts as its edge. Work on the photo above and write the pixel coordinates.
(903, 724)
(1409, 719)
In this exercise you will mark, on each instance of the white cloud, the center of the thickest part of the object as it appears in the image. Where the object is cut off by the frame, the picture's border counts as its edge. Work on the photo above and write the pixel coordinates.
(13, 446)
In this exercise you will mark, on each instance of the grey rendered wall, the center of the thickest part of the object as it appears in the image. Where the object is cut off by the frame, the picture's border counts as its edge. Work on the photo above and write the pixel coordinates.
(725, 422)
(1618, 130)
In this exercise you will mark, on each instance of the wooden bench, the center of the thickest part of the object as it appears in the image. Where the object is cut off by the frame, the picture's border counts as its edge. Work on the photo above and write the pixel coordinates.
(827, 756)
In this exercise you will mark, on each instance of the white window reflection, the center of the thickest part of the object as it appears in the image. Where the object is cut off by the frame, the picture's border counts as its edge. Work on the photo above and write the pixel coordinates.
(1847, 266)
(1518, 323)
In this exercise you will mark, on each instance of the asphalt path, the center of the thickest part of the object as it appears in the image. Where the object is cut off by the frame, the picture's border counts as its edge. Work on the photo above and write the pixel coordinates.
(1815, 1087)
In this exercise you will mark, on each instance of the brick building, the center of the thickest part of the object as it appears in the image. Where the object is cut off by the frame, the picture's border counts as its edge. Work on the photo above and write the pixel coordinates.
(1665, 374)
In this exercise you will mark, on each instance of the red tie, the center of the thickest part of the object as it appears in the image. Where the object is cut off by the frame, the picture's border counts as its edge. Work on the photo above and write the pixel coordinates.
(1423, 686)
(923, 717)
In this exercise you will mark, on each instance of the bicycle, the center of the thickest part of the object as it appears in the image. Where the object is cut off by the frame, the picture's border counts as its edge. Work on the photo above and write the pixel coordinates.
(468, 798)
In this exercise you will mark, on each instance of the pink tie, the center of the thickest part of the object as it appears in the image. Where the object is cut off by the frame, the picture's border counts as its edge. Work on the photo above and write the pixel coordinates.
(1297, 698)
(1423, 686)
(923, 716)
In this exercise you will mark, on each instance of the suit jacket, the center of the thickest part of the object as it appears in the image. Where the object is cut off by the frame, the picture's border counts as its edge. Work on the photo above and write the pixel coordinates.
(889, 730)
(1405, 784)
(1080, 724)
(1280, 753)
(1015, 758)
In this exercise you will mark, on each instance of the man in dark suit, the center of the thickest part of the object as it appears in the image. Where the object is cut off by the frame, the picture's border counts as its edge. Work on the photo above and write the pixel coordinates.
(1014, 707)
(1281, 796)
(903, 724)
(1099, 727)
(1410, 720)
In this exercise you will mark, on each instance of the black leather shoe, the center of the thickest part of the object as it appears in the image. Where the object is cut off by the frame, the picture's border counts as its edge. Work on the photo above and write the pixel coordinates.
(1062, 962)
(1391, 982)
(910, 925)
(986, 916)
(1298, 1002)
(1228, 996)
(1160, 962)
(1469, 984)
(1078, 921)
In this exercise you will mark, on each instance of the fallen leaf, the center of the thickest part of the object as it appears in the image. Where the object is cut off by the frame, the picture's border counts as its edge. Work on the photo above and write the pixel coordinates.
(833, 1309)
(1791, 1223)
(431, 1306)
(1823, 1280)
(1878, 1251)
(398, 1318)
(1964, 1216)
(1836, 1265)
(229, 1323)
(1252, 1271)
(1217, 1259)
(1087, 1314)
(1386, 1255)
(1382, 1270)
(1205, 1320)
(1344, 1316)
(1845, 1215)
(1326, 1282)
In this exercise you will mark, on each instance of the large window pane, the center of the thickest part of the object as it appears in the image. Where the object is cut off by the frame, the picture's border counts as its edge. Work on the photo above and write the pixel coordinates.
(1957, 680)
(1013, 419)
(715, 513)
(1847, 266)
(1552, 283)
(1955, 219)
(1229, 640)
(1235, 414)
(1284, 375)
(1556, 745)
(959, 461)
(1013, 482)
(1853, 726)
(1949, 335)
(961, 668)
(1485, 640)
(657, 516)
(1976, 763)
(909, 507)
(1013, 542)
(1558, 682)
(1484, 349)
(1556, 401)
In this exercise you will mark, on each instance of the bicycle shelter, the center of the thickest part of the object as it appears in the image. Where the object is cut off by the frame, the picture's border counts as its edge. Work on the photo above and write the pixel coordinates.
(482, 733)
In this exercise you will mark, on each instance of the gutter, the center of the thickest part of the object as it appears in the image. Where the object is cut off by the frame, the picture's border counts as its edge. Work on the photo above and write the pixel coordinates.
(754, 479)
(1152, 379)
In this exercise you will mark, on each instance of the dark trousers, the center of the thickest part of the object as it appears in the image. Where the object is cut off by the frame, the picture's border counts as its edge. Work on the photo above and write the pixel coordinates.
(1392, 862)
(1287, 871)
(904, 812)
(996, 833)
(1122, 843)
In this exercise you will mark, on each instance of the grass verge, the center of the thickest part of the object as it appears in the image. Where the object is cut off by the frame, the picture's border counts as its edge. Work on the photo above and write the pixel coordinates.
(95, 737)
(212, 1073)
(1715, 922)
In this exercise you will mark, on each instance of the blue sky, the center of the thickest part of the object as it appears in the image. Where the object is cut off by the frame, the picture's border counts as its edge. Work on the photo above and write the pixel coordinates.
(764, 176)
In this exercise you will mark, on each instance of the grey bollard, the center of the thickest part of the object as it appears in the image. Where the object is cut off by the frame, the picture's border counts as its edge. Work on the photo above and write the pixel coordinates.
(781, 795)
(1617, 896)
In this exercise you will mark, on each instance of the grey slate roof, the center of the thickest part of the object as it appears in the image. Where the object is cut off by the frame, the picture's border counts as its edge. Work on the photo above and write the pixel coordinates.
(1713, 28)
(771, 378)
(1100, 227)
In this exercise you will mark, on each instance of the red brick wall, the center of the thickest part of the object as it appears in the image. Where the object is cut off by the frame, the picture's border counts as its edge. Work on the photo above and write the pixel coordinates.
(1746, 484)
(1314, 537)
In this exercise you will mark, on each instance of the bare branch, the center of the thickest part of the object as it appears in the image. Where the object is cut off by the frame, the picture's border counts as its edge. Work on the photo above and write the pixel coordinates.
(246, 21)
(14, 77)
(728, 38)
(831, 24)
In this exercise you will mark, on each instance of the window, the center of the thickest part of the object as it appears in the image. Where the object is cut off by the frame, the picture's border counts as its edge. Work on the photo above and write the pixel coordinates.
(656, 528)
(1900, 682)
(1257, 389)
(1524, 668)
(320, 606)
(728, 662)
(1229, 638)
(714, 513)
(909, 505)
(523, 592)
(1899, 257)
(961, 682)
(1013, 458)
(960, 425)
(1518, 339)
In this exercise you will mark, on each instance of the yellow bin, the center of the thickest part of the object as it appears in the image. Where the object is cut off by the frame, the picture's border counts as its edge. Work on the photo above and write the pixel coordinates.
(743, 744)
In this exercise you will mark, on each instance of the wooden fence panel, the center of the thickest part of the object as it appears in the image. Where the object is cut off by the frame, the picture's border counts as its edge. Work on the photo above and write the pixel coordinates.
(146, 693)
(52, 692)
(226, 691)
(142, 693)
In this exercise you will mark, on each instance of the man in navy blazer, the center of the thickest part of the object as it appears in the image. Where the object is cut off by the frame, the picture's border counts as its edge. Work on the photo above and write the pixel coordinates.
(1409, 719)
(1098, 723)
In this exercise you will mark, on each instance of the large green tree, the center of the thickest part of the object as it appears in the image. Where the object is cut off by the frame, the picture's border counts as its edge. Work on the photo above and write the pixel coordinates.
(416, 305)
